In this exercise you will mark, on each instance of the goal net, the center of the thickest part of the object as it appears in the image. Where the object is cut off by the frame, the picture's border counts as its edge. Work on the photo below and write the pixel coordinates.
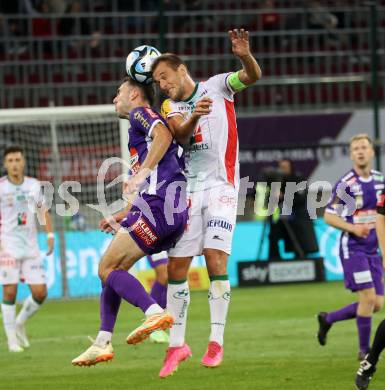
(75, 152)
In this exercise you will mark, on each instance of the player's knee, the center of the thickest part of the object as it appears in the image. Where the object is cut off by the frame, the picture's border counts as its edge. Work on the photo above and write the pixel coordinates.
(370, 301)
(176, 271)
(161, 275)
(9, 297)
(378, 305)
(40, 296)
(103, 272)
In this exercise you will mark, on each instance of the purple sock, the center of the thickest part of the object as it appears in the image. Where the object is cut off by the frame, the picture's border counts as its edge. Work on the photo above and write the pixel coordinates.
(109, 308)
(159, 293)
(130, 289)
(346, 313)
(364, 325)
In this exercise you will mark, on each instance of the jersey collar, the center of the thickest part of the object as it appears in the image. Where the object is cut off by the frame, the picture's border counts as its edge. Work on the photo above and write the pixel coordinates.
(193, 93)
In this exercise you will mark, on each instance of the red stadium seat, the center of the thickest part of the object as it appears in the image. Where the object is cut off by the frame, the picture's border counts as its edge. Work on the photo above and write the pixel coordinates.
(43, 101)
(33, 78)
(19, 103)
(68, 101)
(9, 79)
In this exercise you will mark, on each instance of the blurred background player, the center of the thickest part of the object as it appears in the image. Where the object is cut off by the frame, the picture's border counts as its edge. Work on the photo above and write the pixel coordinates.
(368, 365)
(145, 230)
(202, 117)
(296, 229)
(363, 273)
(20, 199)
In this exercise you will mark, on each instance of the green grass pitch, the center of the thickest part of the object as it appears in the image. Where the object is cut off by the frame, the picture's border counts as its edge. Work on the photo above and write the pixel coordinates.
(270, 344)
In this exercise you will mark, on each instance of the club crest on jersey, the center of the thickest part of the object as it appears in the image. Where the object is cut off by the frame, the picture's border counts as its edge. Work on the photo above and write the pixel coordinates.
(21, 219)
(355, 188)
(134, 160)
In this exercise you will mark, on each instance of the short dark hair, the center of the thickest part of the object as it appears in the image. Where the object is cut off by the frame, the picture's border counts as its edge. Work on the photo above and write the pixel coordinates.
(171, 59)
(147, 89)
(13, 149)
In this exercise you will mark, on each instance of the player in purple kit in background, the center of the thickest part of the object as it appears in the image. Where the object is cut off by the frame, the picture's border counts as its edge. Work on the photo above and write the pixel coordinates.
(356, 194)
(368, 365)
(155, 218)
(158, 263)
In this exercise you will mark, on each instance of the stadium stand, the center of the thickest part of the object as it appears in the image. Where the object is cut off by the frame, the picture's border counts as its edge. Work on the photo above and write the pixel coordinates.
(314, 54)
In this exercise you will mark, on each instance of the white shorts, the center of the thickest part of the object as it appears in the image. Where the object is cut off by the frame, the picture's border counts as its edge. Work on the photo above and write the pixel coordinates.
(28, 270)
(211, 223)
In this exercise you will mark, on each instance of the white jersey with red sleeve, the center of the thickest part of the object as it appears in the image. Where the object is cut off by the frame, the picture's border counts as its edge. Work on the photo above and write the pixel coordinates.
(18, 231)
(212, 154)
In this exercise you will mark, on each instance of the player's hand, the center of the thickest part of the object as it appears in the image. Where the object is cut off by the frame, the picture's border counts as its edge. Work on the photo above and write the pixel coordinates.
(240, 42)
(383, 260)
(111, 224)
(203, 107)
(50, 244)
(361, 231)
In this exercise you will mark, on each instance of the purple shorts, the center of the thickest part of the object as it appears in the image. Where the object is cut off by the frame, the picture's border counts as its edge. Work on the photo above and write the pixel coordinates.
(151, 230)
(362, 271)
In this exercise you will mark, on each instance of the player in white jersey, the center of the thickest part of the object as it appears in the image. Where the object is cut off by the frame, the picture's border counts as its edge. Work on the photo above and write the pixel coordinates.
(202, 118)
(20, 260)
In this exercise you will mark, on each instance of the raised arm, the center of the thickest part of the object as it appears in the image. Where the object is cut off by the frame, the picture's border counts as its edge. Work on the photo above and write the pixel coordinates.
(250, 72)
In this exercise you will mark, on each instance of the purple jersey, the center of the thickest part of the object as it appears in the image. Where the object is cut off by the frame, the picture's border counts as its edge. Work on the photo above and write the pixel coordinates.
(170, 168)
(354, 198)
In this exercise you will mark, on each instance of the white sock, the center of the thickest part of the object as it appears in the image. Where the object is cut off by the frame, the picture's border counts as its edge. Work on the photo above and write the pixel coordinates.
(30, 307)
(219, 299)
(153, 309)
(103, 338)
(178, 300)
(9, 321)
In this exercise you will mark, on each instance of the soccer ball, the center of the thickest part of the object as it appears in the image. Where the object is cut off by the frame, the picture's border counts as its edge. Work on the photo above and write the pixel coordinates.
(139, 61)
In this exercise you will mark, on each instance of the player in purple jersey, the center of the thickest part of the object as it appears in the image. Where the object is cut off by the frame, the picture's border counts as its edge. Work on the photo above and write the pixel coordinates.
(156, 219)
(352, 209)
(368, 365)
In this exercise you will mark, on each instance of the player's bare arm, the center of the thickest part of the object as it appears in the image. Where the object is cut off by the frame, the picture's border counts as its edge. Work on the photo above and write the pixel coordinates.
(250, 72)
(337, 222)
(380, 230)
(184, 128)
(49, 231)
(44, 215)
(162, 139)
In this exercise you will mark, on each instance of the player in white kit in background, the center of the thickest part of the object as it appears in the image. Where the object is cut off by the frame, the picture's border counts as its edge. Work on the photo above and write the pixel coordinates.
(202, 118)
(20, 259)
